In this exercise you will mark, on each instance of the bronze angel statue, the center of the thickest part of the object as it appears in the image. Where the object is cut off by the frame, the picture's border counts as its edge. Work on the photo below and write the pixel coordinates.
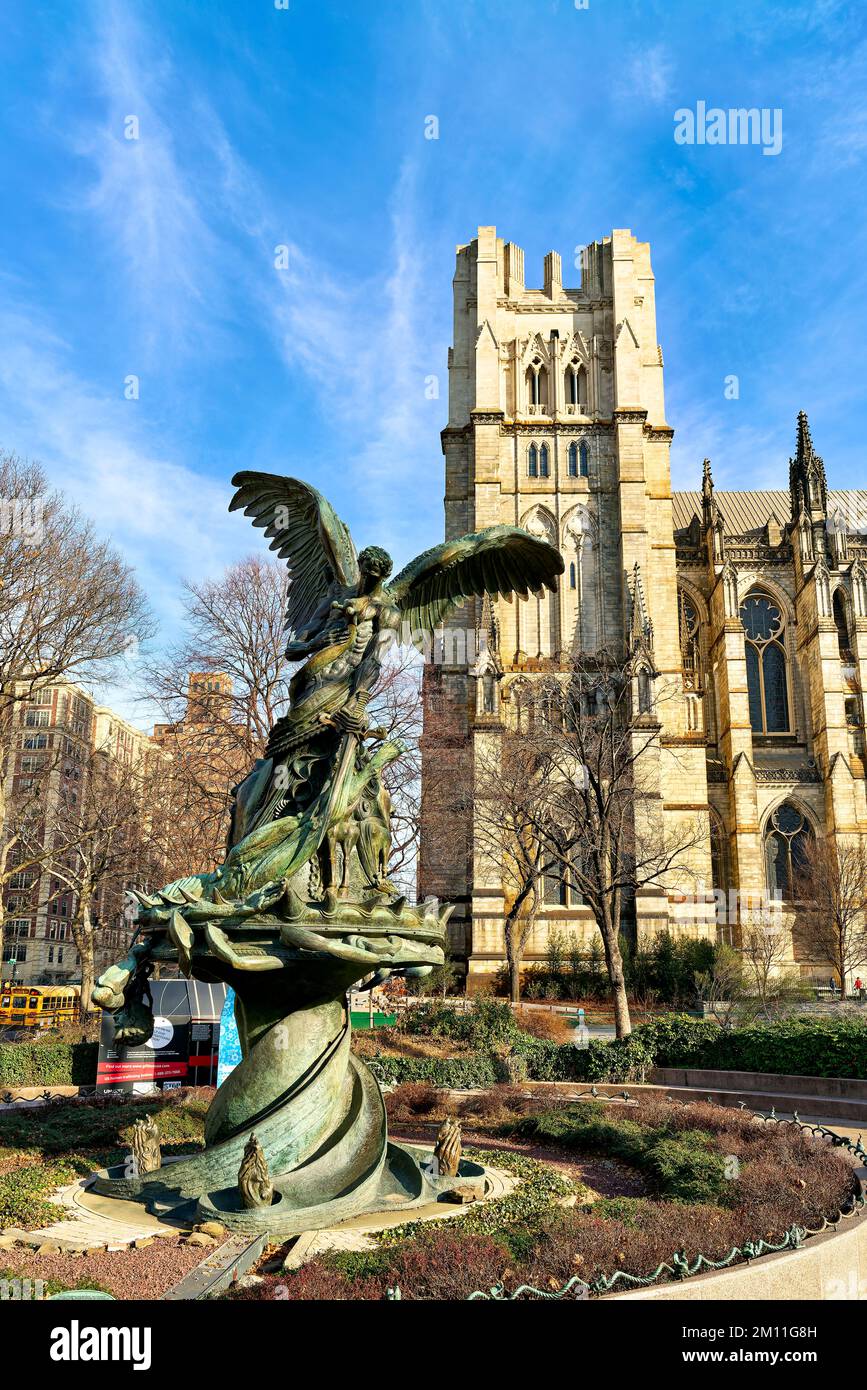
(309, 838)
(342, 613)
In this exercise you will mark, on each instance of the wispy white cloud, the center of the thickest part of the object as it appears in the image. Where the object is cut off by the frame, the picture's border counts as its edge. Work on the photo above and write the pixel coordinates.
(363, 341)
(188, 230)
(138, 193)
(648, 74)
(187, 226)
(166, 520)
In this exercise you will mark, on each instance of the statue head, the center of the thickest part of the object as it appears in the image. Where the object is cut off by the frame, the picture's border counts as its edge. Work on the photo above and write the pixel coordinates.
(376, 562)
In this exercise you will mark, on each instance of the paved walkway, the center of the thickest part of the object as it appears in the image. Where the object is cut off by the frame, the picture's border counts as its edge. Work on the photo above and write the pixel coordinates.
(95, 1222)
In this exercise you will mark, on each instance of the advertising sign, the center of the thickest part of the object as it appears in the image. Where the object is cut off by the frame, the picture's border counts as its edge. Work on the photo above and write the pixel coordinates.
(185, 1044)
(230, 1043)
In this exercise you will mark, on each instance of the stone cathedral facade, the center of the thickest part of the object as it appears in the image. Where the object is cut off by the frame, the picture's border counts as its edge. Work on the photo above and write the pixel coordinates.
(751, 606)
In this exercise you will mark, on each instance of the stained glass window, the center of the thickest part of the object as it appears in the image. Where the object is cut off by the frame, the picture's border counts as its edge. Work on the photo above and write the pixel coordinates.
(787, 842)
(767, 679)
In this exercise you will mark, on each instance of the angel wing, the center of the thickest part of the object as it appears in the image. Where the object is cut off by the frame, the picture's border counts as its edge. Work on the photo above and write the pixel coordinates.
(306, 532)
(501, 560)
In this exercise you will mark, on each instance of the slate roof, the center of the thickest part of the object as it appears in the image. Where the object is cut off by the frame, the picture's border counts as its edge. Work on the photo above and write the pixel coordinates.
(748, 512)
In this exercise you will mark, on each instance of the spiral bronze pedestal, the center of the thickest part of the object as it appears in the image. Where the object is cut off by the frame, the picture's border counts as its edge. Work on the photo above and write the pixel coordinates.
(315, 1108)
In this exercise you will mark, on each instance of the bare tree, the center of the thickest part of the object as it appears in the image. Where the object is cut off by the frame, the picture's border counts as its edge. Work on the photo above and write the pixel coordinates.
(595, 733)
(69, 607)
(723, 992)
(510, 799)
(234, 629)
(765, 951)
(95, 844)
(831, 904)
(396, 708)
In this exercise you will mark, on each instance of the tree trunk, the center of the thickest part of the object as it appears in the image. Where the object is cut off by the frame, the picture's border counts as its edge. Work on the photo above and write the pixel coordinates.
(83, 937)
(4, 854)
(617, 980)
(515, 980)
(515, 932)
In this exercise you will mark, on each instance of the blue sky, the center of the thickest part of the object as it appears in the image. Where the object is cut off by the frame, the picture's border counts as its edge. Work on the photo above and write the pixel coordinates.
(304, 127)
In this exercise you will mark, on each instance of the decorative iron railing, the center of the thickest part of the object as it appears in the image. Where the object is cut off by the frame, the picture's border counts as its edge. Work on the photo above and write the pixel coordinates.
(679, 1267)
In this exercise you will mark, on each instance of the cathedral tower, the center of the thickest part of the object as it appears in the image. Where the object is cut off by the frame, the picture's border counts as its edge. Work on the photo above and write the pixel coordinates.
(557, 424)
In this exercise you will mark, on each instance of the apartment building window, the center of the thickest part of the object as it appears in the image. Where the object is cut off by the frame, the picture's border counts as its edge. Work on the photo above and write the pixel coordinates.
(37, 718)
(33, 741)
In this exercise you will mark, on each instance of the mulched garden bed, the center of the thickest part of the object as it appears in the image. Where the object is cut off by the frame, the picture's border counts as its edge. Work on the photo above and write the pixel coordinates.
(709, 1179)
(138, 1274)
(605, 1176)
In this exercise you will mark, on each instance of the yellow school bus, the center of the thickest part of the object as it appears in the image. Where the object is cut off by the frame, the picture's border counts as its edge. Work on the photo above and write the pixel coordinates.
(37, 1006)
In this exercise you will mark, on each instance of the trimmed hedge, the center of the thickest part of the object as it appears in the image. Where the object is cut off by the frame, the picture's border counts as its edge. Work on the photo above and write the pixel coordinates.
(459, 1072)
(801, 1046)
(544, 1061)
(48, 1064)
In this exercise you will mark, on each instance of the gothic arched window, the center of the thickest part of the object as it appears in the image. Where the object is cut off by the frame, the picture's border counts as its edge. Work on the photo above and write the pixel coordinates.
(576, 384)
(787, 843)
(841, 621)
(522, 699)
(690, 645)
(550, 707)
(572, 576)
(579, 465)
(533, 461)
(767, 680)
(543, 461)
(537, 383)
(718, 855)
(645, 691)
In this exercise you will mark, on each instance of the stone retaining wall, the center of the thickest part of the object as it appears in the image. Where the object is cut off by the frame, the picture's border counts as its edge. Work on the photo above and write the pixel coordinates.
(836, 1087)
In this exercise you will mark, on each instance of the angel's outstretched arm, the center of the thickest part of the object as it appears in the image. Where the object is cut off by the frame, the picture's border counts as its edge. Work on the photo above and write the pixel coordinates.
(322, 629)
